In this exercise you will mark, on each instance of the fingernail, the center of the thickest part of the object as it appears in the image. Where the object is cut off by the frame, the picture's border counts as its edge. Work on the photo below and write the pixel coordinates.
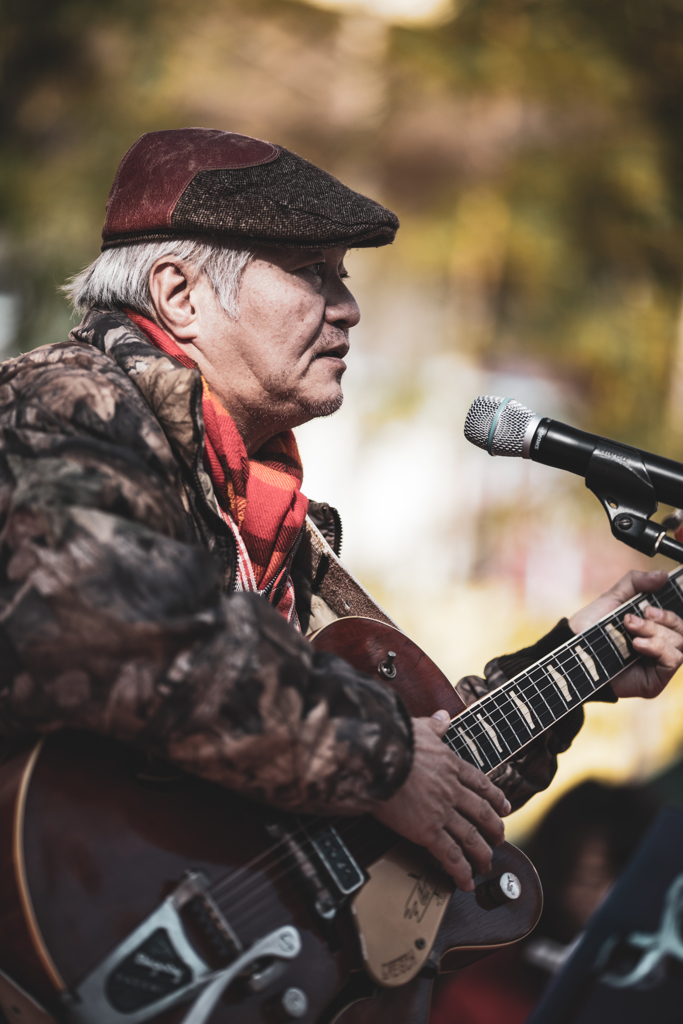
(507, 807)
(442, 716)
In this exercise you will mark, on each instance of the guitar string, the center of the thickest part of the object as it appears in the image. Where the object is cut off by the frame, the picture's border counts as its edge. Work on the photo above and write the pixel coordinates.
(478, 731)
(356, 822)
(341, 823)
(501, 698)
(296, 834)
(236, 903)
(517, 724)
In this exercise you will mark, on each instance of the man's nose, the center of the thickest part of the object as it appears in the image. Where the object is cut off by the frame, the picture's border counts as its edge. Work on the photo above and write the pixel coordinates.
(342, 309)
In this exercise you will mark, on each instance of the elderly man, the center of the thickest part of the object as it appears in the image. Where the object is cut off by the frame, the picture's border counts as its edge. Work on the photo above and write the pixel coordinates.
(156, 552)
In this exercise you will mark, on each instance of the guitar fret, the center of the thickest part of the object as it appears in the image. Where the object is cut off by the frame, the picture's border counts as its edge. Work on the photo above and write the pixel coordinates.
(515, 719)
(576, 672)
(457, 747)
(593, 641)
(461, 741)
(612, 658)
(608, 656)
(498, 710)
(670, 595)
(472, 747)
(511, 717)
(500, 722)
(477, 734)
(549, 693)
(573, 673)
(533, 694)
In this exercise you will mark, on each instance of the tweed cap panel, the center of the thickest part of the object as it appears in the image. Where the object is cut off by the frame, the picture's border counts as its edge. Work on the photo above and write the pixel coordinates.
(200, 182)
(289, 202)
(158, 167)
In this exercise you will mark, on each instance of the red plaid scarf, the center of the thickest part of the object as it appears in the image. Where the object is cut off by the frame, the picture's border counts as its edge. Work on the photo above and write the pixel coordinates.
(260, 497)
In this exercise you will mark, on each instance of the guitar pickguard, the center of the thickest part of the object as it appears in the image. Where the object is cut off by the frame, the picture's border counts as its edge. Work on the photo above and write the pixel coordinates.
(398, 913)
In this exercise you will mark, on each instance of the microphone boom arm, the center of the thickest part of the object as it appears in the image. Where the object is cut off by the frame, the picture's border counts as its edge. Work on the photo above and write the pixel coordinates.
(617, 476)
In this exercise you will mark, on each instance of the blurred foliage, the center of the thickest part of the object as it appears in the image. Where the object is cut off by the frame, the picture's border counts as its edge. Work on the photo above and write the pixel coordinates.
(572, 221)
(533, 149)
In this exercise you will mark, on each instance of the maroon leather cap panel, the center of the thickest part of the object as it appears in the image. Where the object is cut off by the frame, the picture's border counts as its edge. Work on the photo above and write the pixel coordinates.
(157, 169)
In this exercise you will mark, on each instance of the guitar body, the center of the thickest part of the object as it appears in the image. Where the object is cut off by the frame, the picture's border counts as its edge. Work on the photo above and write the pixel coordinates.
(91, 842)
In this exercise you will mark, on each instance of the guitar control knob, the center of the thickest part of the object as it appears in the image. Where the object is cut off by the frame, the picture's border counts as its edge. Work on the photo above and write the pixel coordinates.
(509, 887)
(294, 1002)
(497, 891)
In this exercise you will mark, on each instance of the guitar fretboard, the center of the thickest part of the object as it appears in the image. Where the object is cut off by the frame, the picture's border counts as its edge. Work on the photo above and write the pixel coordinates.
(511, 716)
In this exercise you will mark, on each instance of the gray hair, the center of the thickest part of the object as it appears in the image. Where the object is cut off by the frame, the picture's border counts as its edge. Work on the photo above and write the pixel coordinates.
(119, 277)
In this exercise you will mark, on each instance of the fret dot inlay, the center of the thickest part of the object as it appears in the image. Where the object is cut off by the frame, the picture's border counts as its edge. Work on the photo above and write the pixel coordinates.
(619, 640)
(523, 708)
(561, 682)
(472, 746)
(491, 733)
(588, 662)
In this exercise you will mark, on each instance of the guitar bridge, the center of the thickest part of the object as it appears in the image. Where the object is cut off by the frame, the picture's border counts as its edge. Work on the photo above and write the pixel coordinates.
(210, 932)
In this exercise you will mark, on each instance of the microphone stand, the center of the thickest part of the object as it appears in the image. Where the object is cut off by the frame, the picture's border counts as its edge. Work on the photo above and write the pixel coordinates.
(622, 484)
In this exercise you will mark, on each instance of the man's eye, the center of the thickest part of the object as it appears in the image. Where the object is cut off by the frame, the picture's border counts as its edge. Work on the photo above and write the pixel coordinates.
(316, 268)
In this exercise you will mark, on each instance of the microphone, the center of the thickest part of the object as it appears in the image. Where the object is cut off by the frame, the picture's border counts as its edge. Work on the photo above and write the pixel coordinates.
(629, 482)
(502, 426)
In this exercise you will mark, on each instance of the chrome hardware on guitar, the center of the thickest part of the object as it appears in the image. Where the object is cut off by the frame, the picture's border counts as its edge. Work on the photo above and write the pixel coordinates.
(157, 967)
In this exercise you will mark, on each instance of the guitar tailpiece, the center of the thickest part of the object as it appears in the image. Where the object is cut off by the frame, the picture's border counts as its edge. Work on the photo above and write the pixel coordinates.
(157, 967)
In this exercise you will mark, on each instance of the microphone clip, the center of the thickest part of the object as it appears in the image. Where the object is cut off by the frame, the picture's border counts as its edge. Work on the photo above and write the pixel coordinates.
(619, 479)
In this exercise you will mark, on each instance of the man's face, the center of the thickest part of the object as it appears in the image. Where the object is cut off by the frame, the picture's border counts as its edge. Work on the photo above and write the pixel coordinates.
(283, 360)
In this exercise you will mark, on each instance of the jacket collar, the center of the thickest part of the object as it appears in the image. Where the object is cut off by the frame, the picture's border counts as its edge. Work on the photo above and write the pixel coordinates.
(173, 392)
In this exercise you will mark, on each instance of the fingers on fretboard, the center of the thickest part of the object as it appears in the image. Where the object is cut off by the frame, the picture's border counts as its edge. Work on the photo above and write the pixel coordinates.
(509, 717)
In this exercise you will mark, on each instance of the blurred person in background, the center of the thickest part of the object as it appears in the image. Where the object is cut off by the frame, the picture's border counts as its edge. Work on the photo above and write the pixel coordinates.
(579, 849)
(153, 580)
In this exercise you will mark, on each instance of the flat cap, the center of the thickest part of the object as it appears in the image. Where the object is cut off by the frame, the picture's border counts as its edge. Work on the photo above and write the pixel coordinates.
(200, 181)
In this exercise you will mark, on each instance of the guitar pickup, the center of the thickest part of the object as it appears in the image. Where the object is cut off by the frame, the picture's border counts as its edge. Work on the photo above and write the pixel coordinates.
(337, 859)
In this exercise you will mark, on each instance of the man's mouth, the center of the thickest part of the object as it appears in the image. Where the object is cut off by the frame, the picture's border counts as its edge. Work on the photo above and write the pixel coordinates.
(337, 352)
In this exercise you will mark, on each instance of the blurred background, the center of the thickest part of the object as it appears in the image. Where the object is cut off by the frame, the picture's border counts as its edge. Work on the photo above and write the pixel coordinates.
(533, 151)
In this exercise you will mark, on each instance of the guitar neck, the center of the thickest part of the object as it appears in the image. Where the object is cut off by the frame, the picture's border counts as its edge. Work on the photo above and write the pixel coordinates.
(495, 728)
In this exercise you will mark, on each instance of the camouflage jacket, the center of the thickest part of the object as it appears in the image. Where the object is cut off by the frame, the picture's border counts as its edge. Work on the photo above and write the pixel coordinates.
(116, 601)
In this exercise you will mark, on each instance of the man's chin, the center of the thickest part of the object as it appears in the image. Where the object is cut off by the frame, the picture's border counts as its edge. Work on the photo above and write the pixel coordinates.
(317, 408)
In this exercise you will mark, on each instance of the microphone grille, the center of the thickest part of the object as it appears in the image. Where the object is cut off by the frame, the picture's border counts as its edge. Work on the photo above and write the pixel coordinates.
(510, 428)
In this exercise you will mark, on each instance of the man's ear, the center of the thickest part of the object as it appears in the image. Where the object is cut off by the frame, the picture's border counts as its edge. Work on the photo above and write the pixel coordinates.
(170, 288)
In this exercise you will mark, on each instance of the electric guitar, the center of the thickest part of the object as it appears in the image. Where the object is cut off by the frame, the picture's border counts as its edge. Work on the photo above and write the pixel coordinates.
(132, 893)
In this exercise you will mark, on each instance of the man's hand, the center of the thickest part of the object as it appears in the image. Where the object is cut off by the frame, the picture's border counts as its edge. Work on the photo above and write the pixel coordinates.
(658, 636)
(447, 805)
